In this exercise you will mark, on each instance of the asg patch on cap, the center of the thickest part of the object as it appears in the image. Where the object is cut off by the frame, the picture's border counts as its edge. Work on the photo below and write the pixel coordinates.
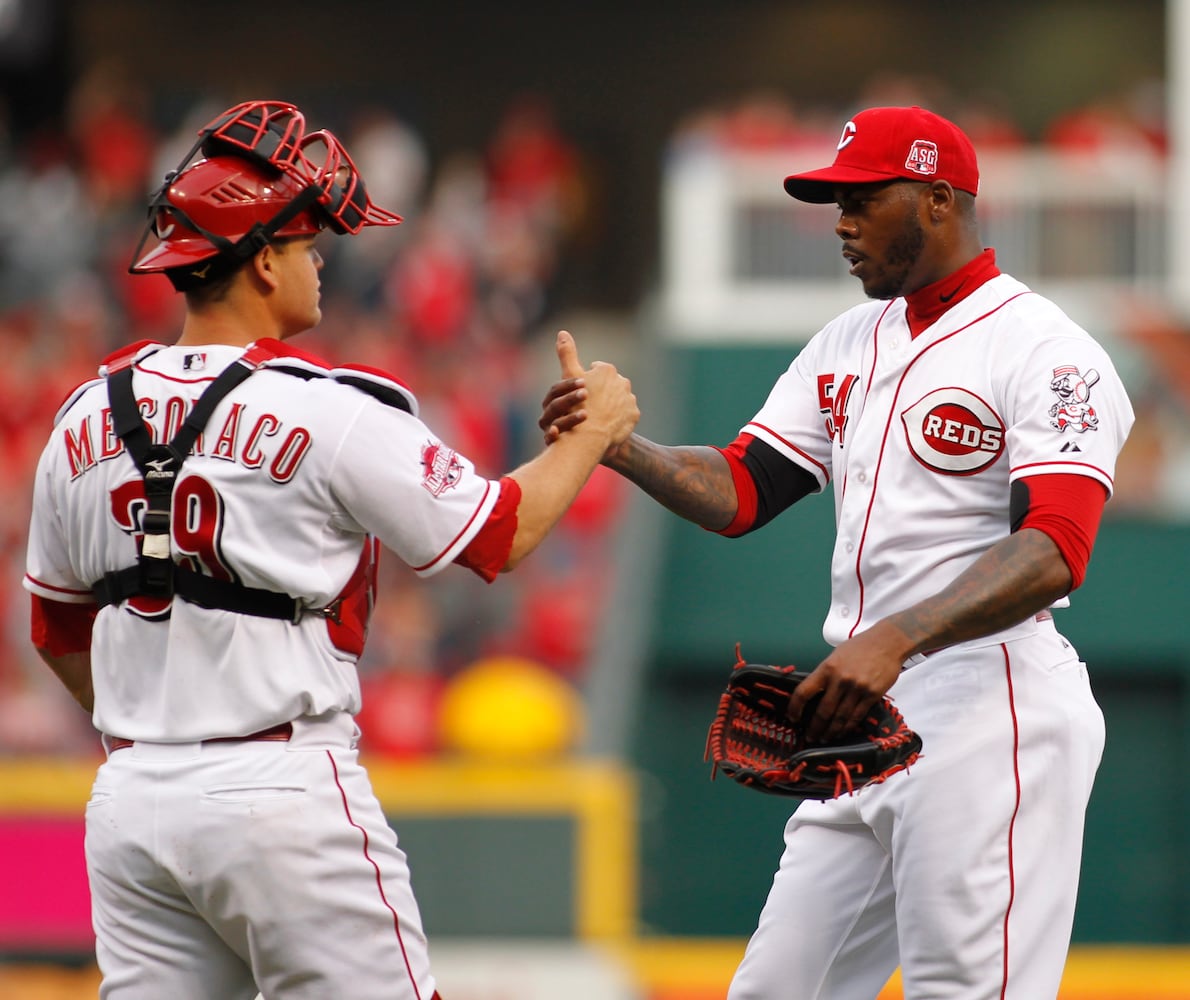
(922, 158)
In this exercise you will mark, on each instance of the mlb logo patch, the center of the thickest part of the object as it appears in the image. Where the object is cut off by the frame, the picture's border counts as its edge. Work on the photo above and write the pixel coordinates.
(922, 158)
(194, 363)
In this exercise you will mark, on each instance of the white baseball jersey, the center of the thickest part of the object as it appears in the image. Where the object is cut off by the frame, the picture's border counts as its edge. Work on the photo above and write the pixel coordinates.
(963, 870)
(292, 472)
(923, 436)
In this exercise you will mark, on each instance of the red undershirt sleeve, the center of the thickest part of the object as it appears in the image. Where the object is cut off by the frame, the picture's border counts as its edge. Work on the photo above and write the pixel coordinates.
(766, 483)
(1068, 509)
(747, 498)
(61, 628)
(487, 553)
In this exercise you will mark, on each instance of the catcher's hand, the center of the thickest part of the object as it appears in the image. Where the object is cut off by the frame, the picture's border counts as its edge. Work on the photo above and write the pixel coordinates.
(753, 741)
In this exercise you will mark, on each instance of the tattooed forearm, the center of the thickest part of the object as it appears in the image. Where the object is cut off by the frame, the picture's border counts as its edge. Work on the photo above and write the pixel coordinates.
(1013, 580)
(693, 482)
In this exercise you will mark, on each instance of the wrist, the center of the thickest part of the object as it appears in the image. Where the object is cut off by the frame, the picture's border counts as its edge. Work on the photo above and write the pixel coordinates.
(617, 456)
(899, 636)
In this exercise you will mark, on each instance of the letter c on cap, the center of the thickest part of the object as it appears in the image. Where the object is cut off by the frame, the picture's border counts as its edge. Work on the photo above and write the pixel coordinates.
(847, 136)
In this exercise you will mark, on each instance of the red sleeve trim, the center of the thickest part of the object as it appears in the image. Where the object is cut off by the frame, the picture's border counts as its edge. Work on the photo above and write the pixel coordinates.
(487, 553)
(1068, 509)
(747, 501)
(61, 628)
(826, 473)
(69, 594)
(1095, 470)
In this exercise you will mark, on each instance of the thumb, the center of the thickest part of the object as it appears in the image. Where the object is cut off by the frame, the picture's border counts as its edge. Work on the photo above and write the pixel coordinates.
(568, 355)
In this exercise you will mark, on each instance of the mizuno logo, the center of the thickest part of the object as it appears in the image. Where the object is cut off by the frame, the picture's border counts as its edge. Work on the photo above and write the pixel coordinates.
(200, 272)
(159, 468)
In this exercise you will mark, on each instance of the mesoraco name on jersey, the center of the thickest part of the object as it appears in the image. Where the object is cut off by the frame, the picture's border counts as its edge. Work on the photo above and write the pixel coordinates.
(288, 469)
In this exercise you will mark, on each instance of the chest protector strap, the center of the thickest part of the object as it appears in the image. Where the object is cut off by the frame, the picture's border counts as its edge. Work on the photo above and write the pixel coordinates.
(155, 574)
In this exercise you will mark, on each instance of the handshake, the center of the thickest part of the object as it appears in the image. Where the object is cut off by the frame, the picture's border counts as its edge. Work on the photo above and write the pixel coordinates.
(598, 400)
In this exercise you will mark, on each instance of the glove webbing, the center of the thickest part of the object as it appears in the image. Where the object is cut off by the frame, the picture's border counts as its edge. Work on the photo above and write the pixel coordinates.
(781, 739)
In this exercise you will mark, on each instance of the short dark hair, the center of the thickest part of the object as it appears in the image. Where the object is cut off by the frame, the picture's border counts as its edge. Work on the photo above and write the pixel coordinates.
(209, 282)
(202, 274)
(205, 286)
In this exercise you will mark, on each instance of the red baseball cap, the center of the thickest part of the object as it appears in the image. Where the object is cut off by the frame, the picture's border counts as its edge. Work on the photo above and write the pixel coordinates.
(884, 144)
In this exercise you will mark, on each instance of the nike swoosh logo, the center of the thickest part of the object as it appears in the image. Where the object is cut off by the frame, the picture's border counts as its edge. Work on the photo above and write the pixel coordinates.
(946, 298)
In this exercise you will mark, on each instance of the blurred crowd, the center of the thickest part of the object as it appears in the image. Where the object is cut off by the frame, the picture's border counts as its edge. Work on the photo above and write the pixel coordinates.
(458, 302)
(1132, 118)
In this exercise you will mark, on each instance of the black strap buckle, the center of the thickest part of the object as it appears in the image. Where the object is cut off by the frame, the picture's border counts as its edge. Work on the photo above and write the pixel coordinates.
(156, 575)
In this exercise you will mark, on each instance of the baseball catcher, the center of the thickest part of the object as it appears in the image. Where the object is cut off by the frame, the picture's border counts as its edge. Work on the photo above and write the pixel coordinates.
(754, 741)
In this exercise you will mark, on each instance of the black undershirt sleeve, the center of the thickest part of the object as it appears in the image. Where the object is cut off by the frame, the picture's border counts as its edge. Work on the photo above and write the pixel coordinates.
(1018, 504)
(780, 483)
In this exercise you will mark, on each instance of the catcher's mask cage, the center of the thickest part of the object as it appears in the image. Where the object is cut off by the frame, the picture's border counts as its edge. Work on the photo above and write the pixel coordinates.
(259, 176)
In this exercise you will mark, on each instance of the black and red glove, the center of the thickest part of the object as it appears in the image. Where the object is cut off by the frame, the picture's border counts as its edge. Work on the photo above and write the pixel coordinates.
(753, 741)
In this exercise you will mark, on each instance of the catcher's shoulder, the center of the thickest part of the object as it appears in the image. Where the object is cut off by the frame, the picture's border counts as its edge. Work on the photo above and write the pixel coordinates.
(381, 385)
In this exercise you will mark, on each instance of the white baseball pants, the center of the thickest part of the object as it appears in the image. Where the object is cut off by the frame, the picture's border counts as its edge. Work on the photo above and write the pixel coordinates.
(964, 869)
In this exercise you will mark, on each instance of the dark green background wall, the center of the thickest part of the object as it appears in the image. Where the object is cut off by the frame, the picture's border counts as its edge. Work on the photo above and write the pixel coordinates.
(702, 842)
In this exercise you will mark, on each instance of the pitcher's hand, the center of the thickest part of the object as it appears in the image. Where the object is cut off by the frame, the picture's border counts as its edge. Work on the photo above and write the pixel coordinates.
(851, 679)
(562, 408)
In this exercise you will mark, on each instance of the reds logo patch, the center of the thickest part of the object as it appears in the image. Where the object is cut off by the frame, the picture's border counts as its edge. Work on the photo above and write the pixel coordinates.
(1073, 408)
(922, 158)
(954, 432)
(441, 468)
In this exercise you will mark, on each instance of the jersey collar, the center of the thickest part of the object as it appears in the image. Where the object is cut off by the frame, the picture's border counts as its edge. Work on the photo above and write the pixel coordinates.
(925, 306)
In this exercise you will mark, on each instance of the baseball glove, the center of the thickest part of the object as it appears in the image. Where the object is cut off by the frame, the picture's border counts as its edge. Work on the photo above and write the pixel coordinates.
(753, 741)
